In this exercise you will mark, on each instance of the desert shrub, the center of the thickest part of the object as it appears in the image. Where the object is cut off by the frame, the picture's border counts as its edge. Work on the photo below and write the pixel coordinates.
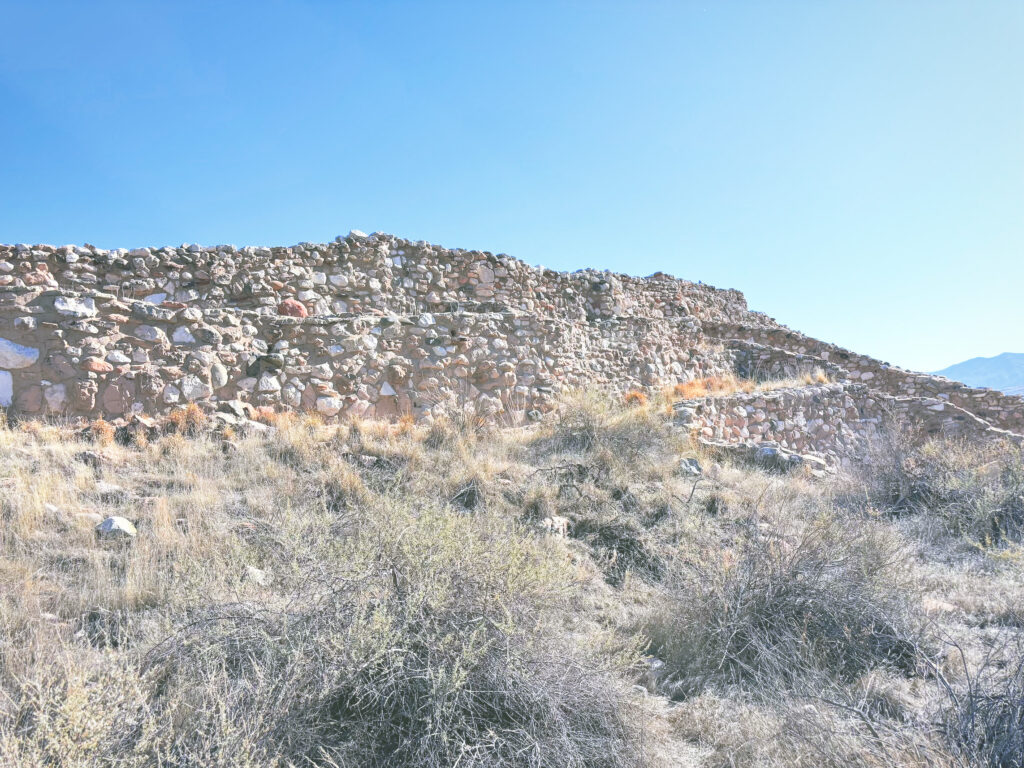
(718, 386)
(798, 733)
(439, 643)
(590, 423)
(619, 544)
(973, 489)
(984, 717)
(265, 414)
(705, 386)
(817, 376)
(831, 599)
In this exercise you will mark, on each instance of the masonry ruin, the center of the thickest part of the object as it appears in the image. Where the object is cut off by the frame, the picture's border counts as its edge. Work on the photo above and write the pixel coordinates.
(377, 326)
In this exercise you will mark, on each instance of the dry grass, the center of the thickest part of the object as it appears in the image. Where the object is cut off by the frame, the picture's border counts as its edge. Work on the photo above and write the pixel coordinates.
(967, 490)
(635, 397)
(720, 386)
(102, 432)
(189, 421)
(458, 594)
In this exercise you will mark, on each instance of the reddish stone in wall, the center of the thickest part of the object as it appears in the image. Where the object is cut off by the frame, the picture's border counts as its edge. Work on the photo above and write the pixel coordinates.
(118, 396)
(29, 399)
(84, 394)
(96, 365)
(292, 308)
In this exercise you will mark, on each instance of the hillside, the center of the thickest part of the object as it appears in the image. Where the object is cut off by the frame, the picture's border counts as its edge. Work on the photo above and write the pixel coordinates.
(1004, 372)
(596, 590)
(381, 503)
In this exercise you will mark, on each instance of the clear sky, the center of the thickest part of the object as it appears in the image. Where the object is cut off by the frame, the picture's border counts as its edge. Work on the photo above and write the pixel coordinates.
(857, 169)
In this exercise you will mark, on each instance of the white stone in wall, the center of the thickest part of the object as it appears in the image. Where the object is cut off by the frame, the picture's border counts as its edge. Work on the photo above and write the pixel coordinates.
(156, 298)
(70, 307)
(149, 333)
(13, 356)
(56, 397)
(6, 389)
(171, 394)
(118, 358)
(329, 406)
(386, 390)
(194, 388)
(268, 383)
(291, 396)
(182, 335)
(323, 371)
(218, 376)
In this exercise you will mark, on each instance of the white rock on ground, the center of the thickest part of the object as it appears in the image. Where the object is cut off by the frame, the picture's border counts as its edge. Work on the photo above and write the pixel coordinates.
(116, 527)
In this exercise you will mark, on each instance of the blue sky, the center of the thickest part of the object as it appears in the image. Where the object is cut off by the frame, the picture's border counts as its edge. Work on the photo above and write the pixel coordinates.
(857, 169)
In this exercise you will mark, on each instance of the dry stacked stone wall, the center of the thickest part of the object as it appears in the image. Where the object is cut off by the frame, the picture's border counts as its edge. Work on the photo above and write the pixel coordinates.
(378, 326)
(779, 344)
(836, 420)
(369, 325)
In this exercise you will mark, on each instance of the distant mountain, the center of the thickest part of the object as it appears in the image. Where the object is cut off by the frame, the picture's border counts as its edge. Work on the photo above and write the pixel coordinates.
(1004, 372)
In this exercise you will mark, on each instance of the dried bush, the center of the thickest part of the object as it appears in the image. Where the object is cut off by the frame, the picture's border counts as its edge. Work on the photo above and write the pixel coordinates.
(635, 397)
(102, 432)
(438, 644)
(984, 717)
(972, 489)
(189, 421)
(831, 599)
(590, 423)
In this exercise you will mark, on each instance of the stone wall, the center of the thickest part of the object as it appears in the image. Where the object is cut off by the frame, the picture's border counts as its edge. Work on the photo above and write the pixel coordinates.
(383, 327)
(760, 363)
(833, 420)
(358, 275)
(779, 344)
(339, 328)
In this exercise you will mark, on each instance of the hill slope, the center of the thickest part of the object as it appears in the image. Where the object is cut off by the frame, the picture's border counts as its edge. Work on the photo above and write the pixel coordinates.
(1004, 372)
(596, 590)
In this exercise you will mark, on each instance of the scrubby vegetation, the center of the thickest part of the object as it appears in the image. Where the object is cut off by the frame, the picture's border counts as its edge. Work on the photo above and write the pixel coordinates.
(590, 591)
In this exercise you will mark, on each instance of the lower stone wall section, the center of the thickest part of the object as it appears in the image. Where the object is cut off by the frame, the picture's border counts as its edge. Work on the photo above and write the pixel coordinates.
(780, 344)
(836, 421)
(96, 355)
